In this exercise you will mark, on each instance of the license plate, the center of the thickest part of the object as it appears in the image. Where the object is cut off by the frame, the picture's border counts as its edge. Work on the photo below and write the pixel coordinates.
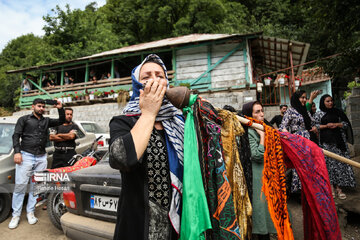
(104, 203)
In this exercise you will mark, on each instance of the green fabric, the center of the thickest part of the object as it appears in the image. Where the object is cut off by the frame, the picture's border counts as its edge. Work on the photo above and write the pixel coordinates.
(262, 223)
(308, 106)
(195, 217)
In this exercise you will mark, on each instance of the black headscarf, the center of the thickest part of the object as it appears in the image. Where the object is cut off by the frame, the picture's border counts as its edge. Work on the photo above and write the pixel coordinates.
(295, 103)
(332, 115)
(247, 110)
(229, 108)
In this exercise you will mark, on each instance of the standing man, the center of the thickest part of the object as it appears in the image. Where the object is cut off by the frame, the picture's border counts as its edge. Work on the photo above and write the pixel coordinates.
(30, 155)
(278, 118)
(64, 137)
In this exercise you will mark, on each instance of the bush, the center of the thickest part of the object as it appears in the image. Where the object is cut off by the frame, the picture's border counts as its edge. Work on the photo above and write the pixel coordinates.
(350, 86)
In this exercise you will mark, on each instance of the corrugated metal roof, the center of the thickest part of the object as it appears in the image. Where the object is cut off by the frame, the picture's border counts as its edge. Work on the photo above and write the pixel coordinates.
(192, 38)
(168, 42)
(271, 54)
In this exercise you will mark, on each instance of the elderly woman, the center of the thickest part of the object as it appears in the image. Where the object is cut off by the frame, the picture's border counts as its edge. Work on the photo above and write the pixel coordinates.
(297, 120)
(262, 223)
(333, 125)
(147, 148)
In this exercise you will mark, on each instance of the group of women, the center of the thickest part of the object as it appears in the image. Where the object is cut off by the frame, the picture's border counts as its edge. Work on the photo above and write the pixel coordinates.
(147, 147)
(329, 128)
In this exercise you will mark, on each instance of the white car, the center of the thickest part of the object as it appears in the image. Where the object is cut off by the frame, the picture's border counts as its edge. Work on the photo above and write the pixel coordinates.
(92, 127)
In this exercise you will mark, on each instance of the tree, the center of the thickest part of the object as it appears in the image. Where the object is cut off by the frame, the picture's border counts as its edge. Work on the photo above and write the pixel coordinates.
(145, 21)
(77, 33)
(24, 51)
(334, 28)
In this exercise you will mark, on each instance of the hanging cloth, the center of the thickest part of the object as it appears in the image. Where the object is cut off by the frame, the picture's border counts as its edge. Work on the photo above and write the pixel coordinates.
(274, 184)
(195, 217)
(320, 218)
(231, 129)
(219, 194)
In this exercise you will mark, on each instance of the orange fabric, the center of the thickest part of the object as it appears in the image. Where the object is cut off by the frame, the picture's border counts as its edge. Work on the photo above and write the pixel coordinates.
(274, 184)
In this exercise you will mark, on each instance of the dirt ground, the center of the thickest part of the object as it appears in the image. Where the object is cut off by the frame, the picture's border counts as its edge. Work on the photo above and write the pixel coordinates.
(350, 232)
(42, 230)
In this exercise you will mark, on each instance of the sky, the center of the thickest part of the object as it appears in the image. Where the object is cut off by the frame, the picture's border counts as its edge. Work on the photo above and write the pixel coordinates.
(20, 17)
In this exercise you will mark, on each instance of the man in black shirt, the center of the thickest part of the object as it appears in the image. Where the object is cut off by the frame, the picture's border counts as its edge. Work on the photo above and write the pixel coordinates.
(278, 118)
(64, 137)
(30, 155)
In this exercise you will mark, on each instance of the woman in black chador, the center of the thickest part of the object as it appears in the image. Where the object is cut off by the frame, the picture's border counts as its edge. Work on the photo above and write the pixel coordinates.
(335, 131)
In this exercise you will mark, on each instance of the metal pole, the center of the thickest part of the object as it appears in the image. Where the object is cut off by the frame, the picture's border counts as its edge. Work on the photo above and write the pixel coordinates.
(112, 68)
(292, 69)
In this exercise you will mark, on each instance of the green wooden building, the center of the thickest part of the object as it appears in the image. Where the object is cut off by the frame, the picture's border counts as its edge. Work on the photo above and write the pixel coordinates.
(225, 68)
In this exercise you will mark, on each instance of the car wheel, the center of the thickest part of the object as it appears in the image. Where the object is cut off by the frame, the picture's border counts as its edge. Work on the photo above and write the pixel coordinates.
(5, 204)
(56, 208)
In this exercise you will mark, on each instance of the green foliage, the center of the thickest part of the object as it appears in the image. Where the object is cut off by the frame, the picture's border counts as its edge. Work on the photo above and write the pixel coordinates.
(350, 86)
(5, 112)
(188, 85)
(26, 51)
(144, 21)
(77, 33)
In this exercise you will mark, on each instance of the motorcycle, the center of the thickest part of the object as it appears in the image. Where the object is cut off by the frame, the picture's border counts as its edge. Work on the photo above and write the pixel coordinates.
(55, 203)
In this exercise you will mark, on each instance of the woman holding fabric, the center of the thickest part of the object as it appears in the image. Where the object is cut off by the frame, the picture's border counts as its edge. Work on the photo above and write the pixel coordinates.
(262, 223)
(297, 120)
(146, 145)
(335, 129)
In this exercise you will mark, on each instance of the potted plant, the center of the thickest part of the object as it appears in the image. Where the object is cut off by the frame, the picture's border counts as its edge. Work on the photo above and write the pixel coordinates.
(77, 96)
(106, 93)
(92, 95)
(98, 94)
(86, 95)
(116, 93)
(281, 78)
(111, 94)
(298, 82)
(64, 98)
(60, 99)
(267, 81)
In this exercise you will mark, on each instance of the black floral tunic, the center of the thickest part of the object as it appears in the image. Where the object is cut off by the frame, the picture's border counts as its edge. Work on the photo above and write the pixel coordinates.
(340, 173)
(145, 197)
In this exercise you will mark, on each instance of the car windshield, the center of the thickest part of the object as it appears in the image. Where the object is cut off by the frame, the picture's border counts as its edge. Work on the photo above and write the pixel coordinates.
(105, 159)
(92, 127)
(6, 132)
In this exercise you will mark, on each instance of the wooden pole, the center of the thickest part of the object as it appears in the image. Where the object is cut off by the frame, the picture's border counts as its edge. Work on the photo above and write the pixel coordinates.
(326, 152)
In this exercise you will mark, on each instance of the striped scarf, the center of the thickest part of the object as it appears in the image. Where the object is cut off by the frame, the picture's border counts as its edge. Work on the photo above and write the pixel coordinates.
(173, 122)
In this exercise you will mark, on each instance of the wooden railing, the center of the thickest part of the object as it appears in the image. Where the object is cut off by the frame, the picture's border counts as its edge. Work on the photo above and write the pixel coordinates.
(27, 97)
(270, 95)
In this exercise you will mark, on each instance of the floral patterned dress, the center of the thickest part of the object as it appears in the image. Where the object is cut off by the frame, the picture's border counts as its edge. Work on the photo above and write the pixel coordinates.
(294, 123)
(340, 173)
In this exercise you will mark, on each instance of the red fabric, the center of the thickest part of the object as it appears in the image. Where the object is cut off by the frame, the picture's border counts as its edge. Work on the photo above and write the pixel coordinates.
(320, 218)
(82, 163)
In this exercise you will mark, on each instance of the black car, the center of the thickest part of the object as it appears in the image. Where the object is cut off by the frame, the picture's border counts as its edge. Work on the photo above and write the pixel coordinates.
(92, 202)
